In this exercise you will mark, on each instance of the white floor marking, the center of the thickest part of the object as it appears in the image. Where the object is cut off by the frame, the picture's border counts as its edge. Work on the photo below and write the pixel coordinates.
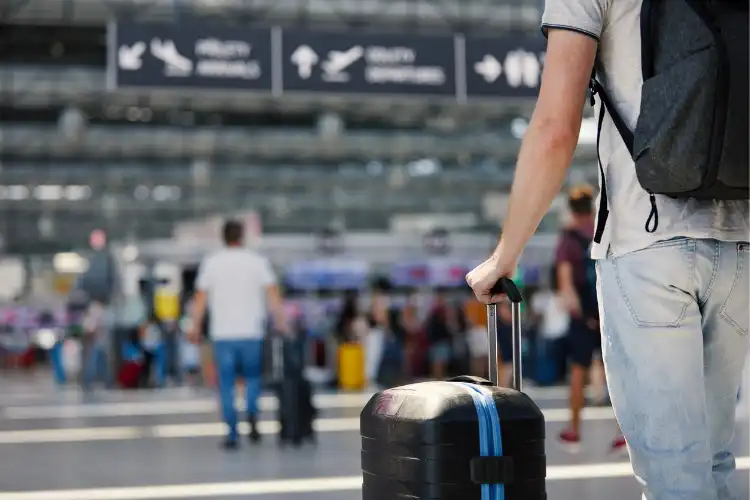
(217, 429)
(193, 406)
(72, 435)
(291, 486)
(197, 405)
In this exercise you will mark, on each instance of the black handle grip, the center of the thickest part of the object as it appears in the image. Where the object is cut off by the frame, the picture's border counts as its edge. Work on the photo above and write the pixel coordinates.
(471, 380)
(506, 286)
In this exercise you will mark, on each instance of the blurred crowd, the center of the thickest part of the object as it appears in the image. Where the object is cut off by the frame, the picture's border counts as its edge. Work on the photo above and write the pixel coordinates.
(404, 336)
(384, 335)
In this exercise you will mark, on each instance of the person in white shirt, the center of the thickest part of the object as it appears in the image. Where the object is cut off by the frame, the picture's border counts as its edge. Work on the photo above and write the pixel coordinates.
(673, 297)
(238, 286)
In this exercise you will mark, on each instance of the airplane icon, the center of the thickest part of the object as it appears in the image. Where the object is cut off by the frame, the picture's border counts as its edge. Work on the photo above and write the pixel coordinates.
(175, 63)
(340, 60)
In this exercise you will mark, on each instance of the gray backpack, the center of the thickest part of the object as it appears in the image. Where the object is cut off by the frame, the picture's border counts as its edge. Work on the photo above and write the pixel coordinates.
(691, 139)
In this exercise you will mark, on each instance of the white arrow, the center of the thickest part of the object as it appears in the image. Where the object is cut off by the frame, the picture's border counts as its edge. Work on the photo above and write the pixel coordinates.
(131, 58)
(304, 58)
(489, 68)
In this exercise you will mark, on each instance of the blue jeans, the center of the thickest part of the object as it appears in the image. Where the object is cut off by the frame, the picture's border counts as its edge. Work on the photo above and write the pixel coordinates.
(233, 358)
(440, 352)
(159, 363)
(56, 360)
(674, 331)
(95, 364)
(172, 364)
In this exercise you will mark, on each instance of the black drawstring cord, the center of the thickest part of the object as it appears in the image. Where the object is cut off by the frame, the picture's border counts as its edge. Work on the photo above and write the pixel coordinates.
(653, 217)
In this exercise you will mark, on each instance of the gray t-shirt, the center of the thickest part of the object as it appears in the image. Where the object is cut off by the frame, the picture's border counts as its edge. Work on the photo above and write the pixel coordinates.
(616, 25)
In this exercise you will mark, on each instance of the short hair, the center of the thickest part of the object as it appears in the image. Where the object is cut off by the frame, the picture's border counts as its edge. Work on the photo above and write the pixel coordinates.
(232, 232)
(581, 199)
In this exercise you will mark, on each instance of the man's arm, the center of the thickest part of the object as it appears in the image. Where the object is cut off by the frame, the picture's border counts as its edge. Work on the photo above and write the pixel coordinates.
(551, 139)
(567, 287)
(276, 306)
(274, 300)
(200, 301)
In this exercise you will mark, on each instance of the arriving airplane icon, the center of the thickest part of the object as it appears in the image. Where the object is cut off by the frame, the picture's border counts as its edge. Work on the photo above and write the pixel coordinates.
(489, 68)
(305, 59)
(175, 63)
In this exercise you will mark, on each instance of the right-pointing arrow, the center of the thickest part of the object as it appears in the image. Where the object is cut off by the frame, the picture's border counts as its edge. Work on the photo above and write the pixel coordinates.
(489, 67)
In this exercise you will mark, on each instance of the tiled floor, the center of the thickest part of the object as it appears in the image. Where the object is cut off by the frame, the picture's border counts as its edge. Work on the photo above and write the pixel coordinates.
(163, 445)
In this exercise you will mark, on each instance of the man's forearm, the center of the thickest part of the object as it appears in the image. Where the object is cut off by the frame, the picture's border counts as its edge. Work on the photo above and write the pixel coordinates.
(542, 166)
(199, 309)
(280, 318)
(276, 307)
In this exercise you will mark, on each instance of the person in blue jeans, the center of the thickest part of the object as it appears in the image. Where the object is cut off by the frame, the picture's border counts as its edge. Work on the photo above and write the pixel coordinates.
(237, 286)
(97, 327)
(57, 361)
(672, 293)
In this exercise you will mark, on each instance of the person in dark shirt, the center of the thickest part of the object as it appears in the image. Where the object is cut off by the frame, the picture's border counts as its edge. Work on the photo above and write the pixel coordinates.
(576, 286)
(439, 335)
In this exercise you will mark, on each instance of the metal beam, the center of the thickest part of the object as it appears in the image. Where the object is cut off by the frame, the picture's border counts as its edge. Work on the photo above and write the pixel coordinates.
(379, 14)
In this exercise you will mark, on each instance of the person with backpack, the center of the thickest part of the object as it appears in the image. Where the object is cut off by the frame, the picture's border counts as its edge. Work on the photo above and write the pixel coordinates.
(673, 224)
(576, 286)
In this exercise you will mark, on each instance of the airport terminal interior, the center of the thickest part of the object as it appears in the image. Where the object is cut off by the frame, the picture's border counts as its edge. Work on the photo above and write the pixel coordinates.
(365, 147)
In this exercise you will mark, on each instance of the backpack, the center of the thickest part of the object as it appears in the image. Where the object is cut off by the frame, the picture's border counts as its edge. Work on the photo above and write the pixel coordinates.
(587, 293)
(690, 140)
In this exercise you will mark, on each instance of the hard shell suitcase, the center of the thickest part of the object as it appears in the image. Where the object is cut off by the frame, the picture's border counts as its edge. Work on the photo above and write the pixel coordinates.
(462, 439)
(294, 392)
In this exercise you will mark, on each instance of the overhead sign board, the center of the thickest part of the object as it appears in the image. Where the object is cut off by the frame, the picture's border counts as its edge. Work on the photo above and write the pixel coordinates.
(210, 56)
(190, 55)
(368, 63)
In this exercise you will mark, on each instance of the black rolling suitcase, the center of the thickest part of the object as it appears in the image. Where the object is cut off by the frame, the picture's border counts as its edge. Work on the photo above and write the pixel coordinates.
(462, 439)
(294, 392)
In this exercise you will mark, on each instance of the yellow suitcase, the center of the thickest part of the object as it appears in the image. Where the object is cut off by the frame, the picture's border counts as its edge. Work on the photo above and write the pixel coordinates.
(351, 357)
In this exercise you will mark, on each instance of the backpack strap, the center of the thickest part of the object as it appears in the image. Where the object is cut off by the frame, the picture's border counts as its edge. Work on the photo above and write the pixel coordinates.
(596, 88)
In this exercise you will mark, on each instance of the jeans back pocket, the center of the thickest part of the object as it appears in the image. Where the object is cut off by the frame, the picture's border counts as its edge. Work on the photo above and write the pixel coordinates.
(736, 309)
(653, 282)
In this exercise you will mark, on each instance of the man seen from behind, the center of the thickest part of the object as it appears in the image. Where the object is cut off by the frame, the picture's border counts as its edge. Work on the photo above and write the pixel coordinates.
(672, 270)
(238, 286)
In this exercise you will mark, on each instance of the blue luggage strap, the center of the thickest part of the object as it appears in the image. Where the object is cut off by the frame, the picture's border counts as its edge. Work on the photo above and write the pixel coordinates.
(490, 437)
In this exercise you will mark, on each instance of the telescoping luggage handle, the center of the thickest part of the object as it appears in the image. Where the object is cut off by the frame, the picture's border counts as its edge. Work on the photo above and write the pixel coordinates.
(507, 287)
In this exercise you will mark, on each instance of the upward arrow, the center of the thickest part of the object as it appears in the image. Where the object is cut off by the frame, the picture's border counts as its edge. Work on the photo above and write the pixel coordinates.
(304, 58)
